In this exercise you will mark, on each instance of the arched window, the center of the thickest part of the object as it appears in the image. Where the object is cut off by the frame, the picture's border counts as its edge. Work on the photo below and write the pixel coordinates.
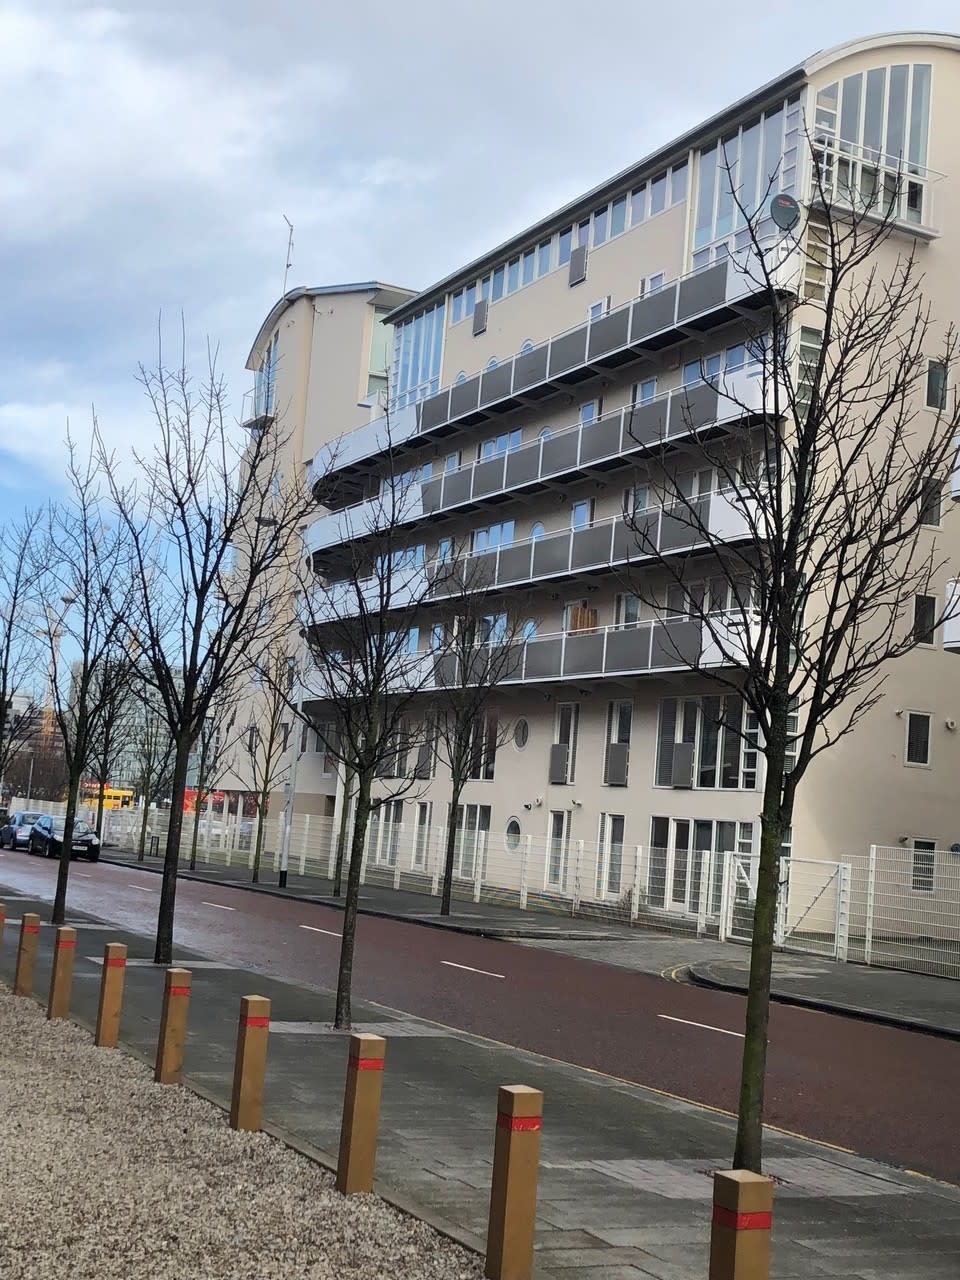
(527, 347)
(537, 531)
(461, 377)
(530, 629)
(491, 363)
(546, 434)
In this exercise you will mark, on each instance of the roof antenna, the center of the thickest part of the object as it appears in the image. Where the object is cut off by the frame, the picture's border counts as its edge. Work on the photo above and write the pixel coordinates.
(289, 253)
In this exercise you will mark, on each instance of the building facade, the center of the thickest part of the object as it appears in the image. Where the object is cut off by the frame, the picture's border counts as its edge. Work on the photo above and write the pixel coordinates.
(532, 394)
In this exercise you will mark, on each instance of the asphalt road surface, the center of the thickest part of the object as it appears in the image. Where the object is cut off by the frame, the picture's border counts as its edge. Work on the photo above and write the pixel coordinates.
(881, 1092)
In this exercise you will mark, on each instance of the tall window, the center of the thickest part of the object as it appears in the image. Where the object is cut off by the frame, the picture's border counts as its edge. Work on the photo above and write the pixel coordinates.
(918, 738)
(936, 384)
(924, 866)
(421, 846)
(581, 514)
(924, 619)
(930, 500)
(417, 352)
(473, 826)
(712, 735)
(568, 725)
(559, 849)
(617, 753)
(483, 747)
(610, 854)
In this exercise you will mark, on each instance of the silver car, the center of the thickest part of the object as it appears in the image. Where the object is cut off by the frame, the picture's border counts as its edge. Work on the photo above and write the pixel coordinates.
(16, 834)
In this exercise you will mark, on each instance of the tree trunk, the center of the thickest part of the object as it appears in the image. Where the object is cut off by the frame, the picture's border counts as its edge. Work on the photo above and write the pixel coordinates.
(748, 1152)
(345, 976)
(456, 790)
(195, 837)
(143, 824)
(258, 848)
(342, 836)
(58, 915)
(100, 790)
(163, 953)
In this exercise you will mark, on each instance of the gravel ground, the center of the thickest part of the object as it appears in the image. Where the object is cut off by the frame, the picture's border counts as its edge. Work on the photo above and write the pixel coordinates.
(105, 1174)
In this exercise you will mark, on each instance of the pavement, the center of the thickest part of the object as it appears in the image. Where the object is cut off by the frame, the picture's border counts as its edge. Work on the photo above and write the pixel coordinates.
(625, 1174)
(891, 997)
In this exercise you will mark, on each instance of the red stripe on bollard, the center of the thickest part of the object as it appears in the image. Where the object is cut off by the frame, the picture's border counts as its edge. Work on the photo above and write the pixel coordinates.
(742, 1221)
(68, 945)
(31, 928)
(519, 1124)
(367, 1064)
(178, 991)
(116, 962)
(255, 1022)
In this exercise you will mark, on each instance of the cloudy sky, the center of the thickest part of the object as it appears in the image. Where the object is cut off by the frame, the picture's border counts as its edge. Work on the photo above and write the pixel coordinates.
(150, 150)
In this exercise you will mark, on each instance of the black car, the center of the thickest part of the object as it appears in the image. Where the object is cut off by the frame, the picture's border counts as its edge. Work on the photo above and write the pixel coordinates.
(16, 833)
(46, 837)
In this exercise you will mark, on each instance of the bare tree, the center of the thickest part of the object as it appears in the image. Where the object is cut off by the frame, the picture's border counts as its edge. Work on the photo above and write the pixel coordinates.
(85, 576)
(266, 738)
(39, 772)
(215, 530)
(361, 616)
(213, 753)
(478, 646)
(813, 536)
(20, 648)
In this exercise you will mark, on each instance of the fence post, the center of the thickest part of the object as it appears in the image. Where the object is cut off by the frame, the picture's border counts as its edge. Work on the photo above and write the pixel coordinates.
(740, 1231)
(361, 1114)
(61, 977)
(703, 898)
(26, 955)
(871, 891)
(439, 856)
(111, 995)
(524, 870)
(726, 896)
(577, 872)
(635, 898)
(173, 1026)
(396, 869)
(513, 1190)
(303, 844)
(250, 1065)
(843, 910)
(478, 865)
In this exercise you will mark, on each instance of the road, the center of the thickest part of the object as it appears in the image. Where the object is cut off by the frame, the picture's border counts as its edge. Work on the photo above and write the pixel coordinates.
(878, 1091)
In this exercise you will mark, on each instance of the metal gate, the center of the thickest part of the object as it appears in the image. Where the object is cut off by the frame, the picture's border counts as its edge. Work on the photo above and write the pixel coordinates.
(813, 904)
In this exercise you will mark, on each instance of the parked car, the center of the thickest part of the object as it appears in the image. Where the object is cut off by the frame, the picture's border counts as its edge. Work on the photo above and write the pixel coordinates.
(46, 837)
(16, 833)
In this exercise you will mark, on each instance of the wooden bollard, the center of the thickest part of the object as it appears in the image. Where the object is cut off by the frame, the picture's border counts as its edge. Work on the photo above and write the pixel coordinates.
(3, 920)
(111, 995)
(26, 955)
(361, 1114)
(249, 1070)
(61, 976)
(742, 1220)
(173, 1026)
(513, 1193)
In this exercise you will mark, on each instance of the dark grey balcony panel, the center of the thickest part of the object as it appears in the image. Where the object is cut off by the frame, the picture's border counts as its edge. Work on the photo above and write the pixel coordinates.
(488, 477)
(692, 407)
(523, 465)
(464, 397)
(480, 317)
(601, 439)
(435, 411)
(645, 425)
(584, 655)
(591, 546)
(653, 313)
(608, 333)
(568, 351)
(616, 764)
(551, 554)
(496, 383)
(457, 486)
(446, 671)
(515, 563)
(510, 663)
(543, 658)
(637, 539)
(560, 453)
(559, 751)
(703, 292)
(578, 265)
(681, 773)
(628, 650)
(682, 526)
(431, 495)
(530, 368)
(675, 644)
(478, 572)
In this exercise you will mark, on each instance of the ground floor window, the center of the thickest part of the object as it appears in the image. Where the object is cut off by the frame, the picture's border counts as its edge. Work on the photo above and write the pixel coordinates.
(687, 860)
(473, 825)
(610, 855)
(421, 842)
(558, 849)
(383, 833)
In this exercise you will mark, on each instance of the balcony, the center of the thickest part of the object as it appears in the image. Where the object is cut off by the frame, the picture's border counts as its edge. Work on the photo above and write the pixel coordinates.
(634, 649)
(877, 186)
(693, 303)
(257, 409)
(626, 433)
(568, 553)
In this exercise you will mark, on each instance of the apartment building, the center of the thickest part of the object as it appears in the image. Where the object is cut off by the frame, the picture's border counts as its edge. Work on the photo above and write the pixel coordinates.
(320, 363)
(532, 392)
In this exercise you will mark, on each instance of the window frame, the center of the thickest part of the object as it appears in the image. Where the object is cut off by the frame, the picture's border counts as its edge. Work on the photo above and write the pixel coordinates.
(909, 715)
(925, 847)
(931, 631)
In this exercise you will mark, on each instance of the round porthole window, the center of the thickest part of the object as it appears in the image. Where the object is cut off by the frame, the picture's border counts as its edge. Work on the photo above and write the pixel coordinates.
(521, 732)
(511, 837)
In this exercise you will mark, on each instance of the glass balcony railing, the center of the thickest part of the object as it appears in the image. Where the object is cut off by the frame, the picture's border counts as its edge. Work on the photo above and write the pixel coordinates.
(875, 185)
(624, 433)
(256, 407)
(697, 301)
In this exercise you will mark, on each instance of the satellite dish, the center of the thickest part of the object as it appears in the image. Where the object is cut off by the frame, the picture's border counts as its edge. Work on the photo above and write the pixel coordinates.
(785, 211)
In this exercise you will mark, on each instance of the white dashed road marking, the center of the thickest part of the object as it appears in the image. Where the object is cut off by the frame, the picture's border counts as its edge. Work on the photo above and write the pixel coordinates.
(702, 1025)
(218, 905)
(313, 929)
(470, 969)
